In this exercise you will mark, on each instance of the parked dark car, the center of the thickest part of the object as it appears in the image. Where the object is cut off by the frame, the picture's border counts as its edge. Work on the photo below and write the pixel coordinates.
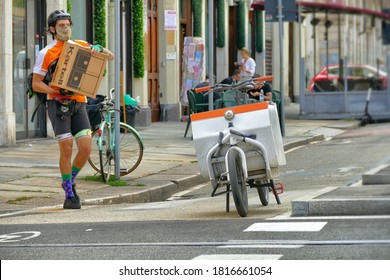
(359, 77)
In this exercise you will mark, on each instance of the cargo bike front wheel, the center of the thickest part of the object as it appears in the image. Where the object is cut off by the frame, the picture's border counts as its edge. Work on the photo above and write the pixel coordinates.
(237, 182)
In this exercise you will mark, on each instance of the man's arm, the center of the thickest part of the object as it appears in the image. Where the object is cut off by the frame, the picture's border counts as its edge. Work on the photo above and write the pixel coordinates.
(39, 86)
(268, 96)
(106, 51)
(111, 56)
(267, 89)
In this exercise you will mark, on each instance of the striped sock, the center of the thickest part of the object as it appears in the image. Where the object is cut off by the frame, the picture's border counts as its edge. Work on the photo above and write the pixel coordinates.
(75, 171)
(67, 185)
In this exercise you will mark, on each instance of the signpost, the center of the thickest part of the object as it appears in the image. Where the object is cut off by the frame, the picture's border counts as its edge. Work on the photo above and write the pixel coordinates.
(117, 88)
(279, 11)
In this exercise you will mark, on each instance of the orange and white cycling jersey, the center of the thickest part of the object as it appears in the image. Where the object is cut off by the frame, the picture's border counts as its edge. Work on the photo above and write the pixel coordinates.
(47, 55)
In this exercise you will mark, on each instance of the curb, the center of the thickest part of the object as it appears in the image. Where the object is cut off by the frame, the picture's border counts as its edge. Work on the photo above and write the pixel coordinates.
(155, 194)
(340, 207)
(376, 177)
(303, 142)
(163, 192)
(310, 205)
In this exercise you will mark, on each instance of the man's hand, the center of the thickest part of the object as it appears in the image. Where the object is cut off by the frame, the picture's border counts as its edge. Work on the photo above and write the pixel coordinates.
(99, 49)
(96, 49)
(65, 92)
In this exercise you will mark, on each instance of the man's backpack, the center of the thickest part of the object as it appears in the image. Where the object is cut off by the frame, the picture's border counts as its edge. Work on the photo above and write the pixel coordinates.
(42, 97)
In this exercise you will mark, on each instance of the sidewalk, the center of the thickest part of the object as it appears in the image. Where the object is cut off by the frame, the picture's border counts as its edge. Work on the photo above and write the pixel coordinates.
(29, 175)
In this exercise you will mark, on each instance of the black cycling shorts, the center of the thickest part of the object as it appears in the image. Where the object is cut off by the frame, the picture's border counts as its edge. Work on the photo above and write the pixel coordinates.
(68, 120)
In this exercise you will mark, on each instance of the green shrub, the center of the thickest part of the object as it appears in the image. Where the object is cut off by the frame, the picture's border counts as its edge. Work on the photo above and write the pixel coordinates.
(99, 22)
(259, 31)
(196, 6)
(221, 23)
(138, 39)
(240, 25)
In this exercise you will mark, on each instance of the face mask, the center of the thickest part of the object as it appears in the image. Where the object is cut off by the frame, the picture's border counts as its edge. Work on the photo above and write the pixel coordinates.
(64, 33)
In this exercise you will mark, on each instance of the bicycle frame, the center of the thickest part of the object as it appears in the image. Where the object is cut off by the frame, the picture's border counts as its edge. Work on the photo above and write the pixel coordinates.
(131, 144)
(233, 137)
(107, 115)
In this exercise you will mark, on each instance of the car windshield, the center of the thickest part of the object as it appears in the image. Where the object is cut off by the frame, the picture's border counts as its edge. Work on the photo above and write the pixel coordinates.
(360, 77)
(334, 71)
(358, 71)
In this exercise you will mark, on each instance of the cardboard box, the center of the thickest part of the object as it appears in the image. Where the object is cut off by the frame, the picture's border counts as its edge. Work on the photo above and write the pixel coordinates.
(78, 71)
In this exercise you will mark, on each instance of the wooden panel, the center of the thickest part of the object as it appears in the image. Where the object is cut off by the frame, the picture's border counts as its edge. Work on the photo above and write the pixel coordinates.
(152, 57)
(232, 38)
(185, 31)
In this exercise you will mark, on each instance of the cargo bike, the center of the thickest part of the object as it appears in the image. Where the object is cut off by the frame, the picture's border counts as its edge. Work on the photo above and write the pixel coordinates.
(240, 146)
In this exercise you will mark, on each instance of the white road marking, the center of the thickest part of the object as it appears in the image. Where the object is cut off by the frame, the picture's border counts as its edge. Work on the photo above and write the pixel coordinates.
(180, 195)
(18, 236)
(347, 169)
(267, 246)
(277, 244)
(201, 244)
(157, 205)
(287, 226)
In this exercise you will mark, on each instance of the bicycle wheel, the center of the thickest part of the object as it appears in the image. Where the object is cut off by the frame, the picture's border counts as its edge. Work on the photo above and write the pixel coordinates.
(263, 192)
(131, 150)
(106, 155)
(237, 182)
(94, 159)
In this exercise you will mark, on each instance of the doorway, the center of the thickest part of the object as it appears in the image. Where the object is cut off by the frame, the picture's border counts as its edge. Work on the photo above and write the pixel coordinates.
(153, 82)
(29, 37)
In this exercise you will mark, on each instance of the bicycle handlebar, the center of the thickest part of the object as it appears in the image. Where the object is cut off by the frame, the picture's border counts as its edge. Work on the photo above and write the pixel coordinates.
(263, 79)
(243, 83)
(203, 89)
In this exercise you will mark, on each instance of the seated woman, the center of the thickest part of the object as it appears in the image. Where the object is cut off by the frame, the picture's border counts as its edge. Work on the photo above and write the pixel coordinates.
(261, 91)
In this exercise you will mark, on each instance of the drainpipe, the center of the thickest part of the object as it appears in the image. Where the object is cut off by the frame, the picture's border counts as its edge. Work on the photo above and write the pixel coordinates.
(129, 49)
(211, 52)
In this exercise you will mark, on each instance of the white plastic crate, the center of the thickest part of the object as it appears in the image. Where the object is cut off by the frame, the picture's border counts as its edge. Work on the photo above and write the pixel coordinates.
(258, 118)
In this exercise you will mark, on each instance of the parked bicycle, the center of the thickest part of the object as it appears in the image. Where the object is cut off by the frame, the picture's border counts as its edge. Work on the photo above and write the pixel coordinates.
(235, 94)
(131, 146)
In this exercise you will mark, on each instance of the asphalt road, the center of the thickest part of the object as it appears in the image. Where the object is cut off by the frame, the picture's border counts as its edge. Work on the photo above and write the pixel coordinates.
(213, 239)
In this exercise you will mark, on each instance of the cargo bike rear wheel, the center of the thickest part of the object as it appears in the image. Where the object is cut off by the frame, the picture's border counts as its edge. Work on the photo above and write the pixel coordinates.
(263, 190)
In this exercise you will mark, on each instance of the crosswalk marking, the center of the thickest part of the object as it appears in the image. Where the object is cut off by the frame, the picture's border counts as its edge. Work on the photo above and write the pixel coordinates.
(287, 226)
(238, 257)
(266, 244)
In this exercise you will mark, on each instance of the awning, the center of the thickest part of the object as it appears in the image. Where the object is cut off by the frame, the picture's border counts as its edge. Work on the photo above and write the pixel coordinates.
(337, 8)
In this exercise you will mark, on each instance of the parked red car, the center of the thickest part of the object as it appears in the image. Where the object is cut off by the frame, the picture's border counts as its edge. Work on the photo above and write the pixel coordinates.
(360, 77)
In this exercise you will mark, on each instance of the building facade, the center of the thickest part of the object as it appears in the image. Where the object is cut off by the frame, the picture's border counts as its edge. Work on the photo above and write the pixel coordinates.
(163, 26)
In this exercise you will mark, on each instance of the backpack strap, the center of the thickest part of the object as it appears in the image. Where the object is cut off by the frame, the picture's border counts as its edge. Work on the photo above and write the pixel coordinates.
(35, 111)
(49, 74)
(46, 80)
